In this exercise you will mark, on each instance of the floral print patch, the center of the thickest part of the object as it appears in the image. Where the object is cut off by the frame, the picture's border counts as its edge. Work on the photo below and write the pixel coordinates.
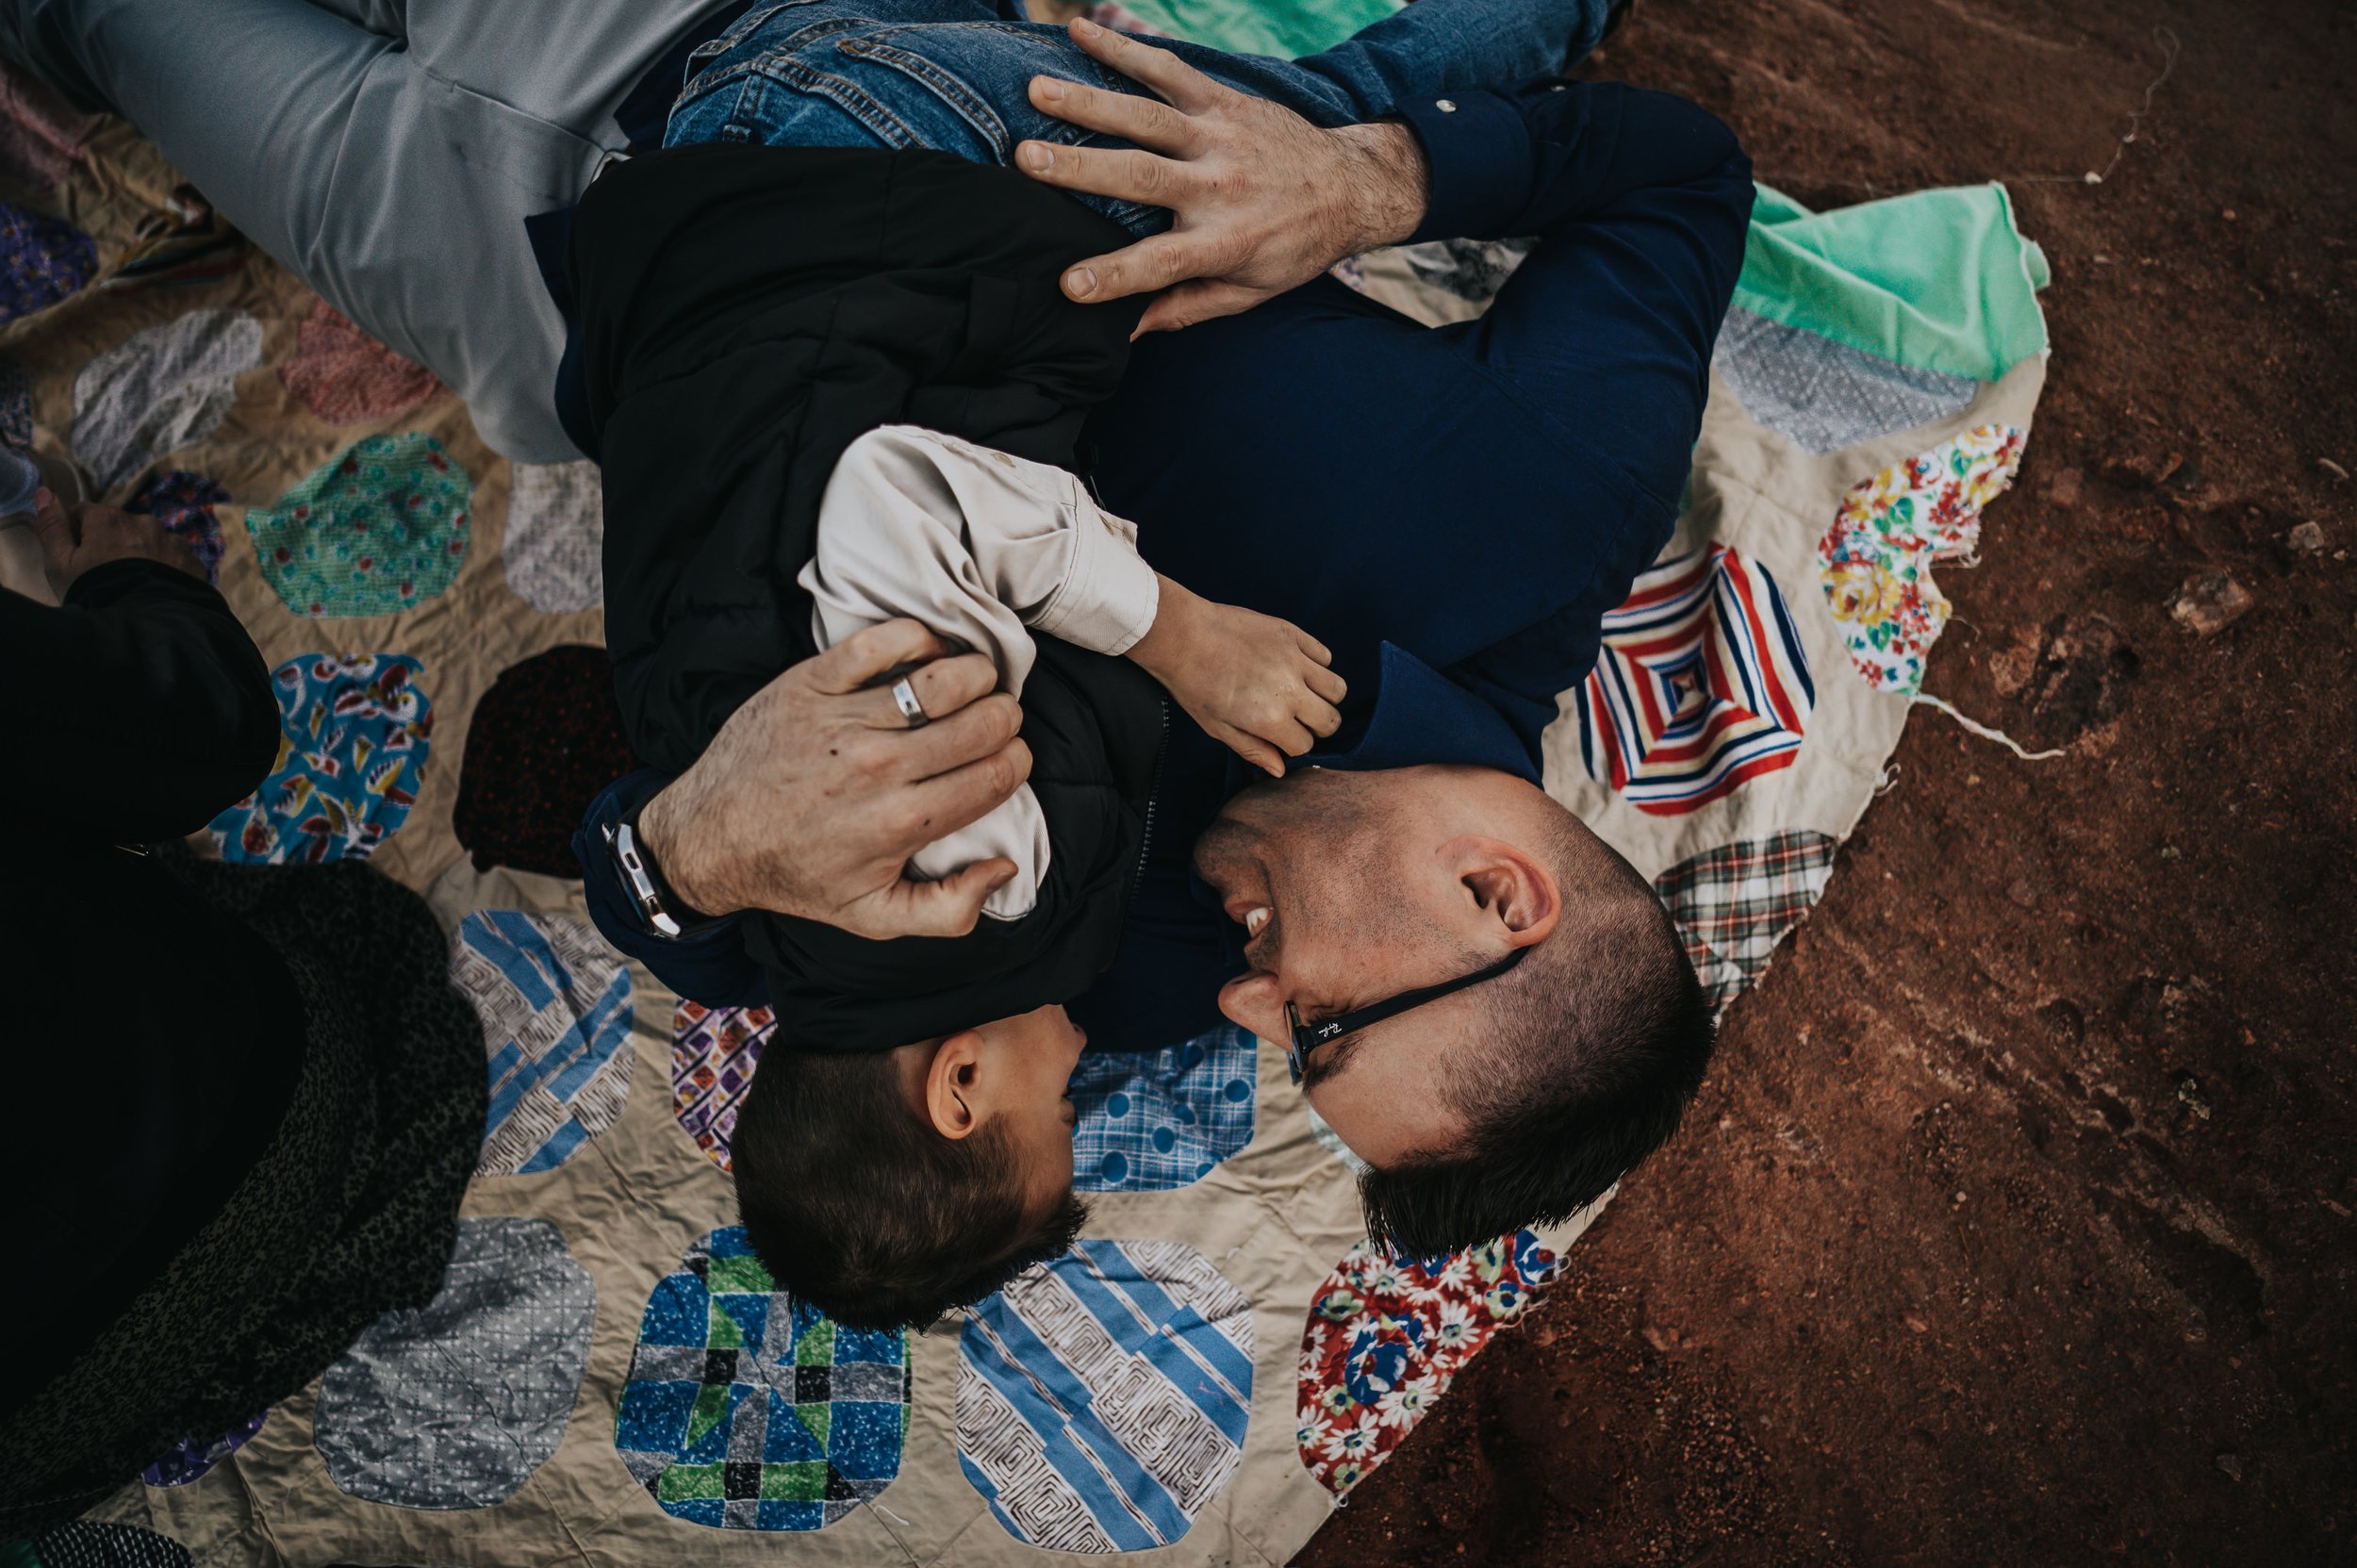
(380, 529)
(1876, 561)
(353, 735)
(42, 260)
(184, 502)
(40, 134)
(1385, 1338)
(714, 1051)
(345, 376)
(192, 1458)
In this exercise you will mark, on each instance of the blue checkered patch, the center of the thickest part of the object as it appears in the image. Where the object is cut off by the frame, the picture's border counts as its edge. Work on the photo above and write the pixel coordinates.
(1153, 1120)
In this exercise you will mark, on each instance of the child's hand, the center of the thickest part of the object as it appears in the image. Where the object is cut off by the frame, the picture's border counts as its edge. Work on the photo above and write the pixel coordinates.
(1257, 685)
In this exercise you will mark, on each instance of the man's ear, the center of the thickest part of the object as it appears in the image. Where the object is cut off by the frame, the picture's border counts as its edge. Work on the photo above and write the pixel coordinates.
(1513, 891)
(952, 1098)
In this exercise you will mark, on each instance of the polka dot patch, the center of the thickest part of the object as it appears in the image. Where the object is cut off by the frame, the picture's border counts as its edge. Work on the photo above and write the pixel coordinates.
(1102, 1397)
(544, 740)
(184, 502)
(381, 529)
(1153, 1120)
(749, 1410)
(557, 1018)
(347, 377)
(455, 1405)
(714, 1051)
(163, 389)
(1387, 1335)
(353, 734)
(192, 1458)
(556, 543)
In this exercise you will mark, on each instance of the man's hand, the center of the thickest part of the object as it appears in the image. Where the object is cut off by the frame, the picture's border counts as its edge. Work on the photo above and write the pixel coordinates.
(72, 542)
(815, 793)
(1263, 200)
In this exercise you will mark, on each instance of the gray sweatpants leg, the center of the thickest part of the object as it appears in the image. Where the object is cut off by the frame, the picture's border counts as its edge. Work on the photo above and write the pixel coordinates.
(387, 151)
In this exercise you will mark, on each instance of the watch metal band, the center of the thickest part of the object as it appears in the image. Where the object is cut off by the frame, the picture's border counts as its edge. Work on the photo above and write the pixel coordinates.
(643, 890)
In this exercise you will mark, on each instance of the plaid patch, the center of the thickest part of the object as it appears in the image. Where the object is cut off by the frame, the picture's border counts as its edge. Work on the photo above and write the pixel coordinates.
(714, 1051)
(1735, 903)
(747, 1410)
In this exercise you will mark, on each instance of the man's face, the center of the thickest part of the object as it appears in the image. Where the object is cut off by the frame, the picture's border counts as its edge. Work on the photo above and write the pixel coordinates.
(1347, 898)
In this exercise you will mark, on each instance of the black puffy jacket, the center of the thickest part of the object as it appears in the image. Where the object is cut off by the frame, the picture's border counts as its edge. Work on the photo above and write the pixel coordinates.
(745, 313)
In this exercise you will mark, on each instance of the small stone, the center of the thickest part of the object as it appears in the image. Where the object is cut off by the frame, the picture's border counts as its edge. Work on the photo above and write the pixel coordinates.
(2209, 603)
(2228, 214)
(2063, 490)
(2308, 538)
(2168, 851)
(2022, 892)
(1960, 1197)
(1917, 1324)
(2231, 1466)
(2143, 470)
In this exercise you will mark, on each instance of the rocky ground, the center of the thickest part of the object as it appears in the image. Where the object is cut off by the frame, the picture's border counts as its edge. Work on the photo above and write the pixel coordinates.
(2015, 1224)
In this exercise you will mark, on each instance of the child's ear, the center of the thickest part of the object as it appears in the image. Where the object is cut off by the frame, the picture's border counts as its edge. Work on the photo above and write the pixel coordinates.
(952, 1097)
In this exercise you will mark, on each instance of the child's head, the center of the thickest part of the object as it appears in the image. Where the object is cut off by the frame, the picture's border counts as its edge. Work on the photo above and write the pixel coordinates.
(887, 1188)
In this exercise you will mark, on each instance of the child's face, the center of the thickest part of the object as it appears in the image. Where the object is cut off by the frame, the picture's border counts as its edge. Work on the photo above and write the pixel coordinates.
(1030, 1058)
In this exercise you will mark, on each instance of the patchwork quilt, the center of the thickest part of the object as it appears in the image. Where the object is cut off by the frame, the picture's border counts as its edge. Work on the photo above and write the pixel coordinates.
(608, 1376)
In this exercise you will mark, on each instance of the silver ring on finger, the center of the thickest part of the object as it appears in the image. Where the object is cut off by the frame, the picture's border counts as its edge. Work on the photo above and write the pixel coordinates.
(904, 698)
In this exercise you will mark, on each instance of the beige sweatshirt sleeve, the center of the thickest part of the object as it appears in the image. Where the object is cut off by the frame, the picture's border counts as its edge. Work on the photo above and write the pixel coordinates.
(985, 547)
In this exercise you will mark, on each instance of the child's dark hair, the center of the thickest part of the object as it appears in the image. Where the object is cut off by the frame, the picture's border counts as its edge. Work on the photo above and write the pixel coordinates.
(858, 1207)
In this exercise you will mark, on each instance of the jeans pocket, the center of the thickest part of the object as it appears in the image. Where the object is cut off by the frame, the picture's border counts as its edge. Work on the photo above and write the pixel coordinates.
(950, 89)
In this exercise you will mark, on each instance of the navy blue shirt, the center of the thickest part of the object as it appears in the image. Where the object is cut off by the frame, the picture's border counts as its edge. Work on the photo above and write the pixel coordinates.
(1451, 510)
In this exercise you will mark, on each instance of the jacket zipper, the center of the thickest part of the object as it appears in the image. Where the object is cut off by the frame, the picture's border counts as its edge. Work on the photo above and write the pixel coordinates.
(1153, 799)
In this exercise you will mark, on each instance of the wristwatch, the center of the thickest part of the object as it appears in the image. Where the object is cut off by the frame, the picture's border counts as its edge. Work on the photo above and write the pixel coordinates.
(660, 910)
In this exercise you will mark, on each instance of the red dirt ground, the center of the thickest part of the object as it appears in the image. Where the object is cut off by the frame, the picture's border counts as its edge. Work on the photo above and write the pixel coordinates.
(2014, 1223)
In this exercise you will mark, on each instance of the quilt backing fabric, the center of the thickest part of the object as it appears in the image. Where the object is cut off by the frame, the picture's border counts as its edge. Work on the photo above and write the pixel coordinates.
(608, 1376)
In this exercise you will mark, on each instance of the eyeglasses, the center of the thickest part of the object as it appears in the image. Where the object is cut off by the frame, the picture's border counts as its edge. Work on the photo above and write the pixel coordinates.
(1306, 1037)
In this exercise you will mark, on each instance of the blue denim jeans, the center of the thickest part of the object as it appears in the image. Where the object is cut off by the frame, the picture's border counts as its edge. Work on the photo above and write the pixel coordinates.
(954, 75)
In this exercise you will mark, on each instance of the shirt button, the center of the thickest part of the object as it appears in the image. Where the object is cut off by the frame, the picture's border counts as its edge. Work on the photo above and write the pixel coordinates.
(1444, 105)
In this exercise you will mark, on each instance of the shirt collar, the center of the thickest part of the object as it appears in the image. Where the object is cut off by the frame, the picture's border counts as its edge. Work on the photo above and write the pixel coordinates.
(1421, 717)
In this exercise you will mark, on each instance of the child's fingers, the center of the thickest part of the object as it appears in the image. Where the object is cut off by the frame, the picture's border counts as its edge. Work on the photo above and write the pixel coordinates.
(1251, 749)
(1319, 718)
